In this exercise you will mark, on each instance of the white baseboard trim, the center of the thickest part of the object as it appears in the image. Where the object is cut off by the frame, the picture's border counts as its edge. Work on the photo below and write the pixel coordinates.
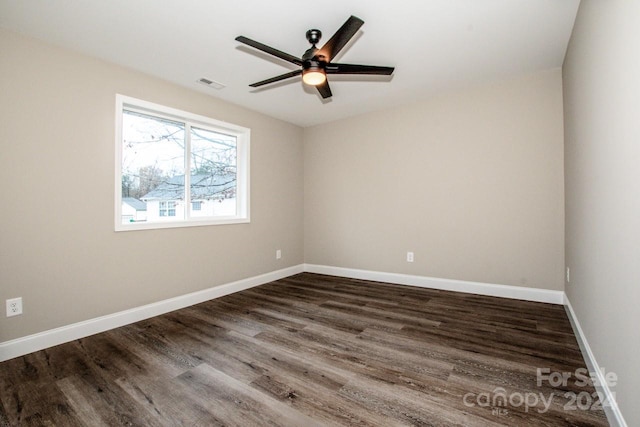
(614, 416)
(50, 338)
(489, 289)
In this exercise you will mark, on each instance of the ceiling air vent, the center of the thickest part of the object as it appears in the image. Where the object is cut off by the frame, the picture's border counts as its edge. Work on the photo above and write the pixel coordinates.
(211, 83)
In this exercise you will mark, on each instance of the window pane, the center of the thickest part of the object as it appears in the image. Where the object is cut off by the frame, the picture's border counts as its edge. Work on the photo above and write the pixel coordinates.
(213, 173)
(153, 165)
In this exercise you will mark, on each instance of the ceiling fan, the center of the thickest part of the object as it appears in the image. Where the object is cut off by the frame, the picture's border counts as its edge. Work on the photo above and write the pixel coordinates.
(316, 63)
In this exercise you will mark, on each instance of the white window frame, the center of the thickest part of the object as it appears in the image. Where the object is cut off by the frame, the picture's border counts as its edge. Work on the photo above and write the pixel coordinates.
(243, 136)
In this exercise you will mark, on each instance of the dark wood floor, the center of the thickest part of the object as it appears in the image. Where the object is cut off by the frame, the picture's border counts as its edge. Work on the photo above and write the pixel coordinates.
(311, 350)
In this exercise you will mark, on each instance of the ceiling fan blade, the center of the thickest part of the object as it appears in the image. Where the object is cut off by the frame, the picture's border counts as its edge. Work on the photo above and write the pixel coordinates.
(324, 89)
(340, 39)
(335, 68)
(277, 78)
(269, 50)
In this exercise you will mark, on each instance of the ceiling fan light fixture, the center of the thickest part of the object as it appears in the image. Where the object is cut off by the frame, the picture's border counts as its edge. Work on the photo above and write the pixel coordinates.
(314, 76)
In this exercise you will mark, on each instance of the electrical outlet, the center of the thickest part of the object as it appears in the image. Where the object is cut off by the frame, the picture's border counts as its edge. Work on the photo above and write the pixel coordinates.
(568, 275)
(278, 254)
(14, 306)
(409, 256)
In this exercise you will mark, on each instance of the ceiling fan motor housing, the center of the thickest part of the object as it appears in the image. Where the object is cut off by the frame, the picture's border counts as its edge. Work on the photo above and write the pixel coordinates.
(312, 64)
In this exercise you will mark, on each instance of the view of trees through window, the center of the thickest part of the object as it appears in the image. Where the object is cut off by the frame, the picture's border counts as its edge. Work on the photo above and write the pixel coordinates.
(155, 153)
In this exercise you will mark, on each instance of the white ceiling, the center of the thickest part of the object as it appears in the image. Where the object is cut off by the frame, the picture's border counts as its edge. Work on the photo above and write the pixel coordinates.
(435, 45)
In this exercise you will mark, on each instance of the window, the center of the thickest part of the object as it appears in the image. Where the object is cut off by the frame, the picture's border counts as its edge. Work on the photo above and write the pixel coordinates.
(180, 168)
(167, 208)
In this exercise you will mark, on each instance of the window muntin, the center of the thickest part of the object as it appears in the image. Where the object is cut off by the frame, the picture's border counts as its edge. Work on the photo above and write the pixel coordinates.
(156, 145)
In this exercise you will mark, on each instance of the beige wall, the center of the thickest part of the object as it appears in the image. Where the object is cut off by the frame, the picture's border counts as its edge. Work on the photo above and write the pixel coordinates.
(58, 248)
(601, 78)
(471, 182)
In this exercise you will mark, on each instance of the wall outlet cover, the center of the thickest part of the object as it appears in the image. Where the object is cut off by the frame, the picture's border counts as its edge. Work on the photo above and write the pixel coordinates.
(14, 306)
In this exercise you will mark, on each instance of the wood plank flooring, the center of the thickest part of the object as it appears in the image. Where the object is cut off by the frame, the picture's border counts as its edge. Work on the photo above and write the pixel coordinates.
(312, 350)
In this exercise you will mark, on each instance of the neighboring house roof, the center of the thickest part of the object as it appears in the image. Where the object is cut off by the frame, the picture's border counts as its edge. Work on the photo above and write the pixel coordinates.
(202, 187)
(136, 204)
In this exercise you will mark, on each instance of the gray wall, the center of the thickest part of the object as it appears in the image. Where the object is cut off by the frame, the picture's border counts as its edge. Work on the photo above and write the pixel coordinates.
(601, 79)
(59, 250)
(471, 182)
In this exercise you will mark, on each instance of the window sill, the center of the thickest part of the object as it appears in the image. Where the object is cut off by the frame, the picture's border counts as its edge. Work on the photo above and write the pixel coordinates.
(137, 226)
